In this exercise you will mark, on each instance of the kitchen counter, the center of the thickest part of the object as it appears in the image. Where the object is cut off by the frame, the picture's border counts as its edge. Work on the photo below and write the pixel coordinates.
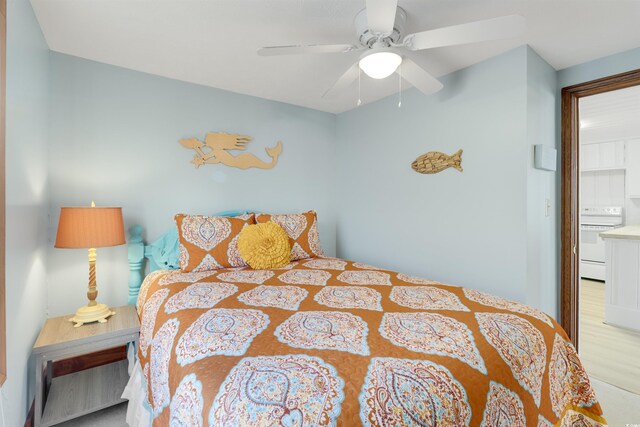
(622, 277)
(631, 232)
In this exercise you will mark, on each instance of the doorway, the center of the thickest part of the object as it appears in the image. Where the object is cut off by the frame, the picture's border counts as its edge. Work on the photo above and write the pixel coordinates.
(570, 188)
(600, 171)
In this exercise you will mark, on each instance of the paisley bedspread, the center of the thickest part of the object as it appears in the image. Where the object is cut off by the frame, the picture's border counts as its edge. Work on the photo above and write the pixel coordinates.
(331, 342)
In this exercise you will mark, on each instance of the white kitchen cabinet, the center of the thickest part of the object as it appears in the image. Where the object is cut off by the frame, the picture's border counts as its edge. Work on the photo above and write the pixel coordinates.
(606, 155)
(589, 157)
(632, 179)
(622, 277)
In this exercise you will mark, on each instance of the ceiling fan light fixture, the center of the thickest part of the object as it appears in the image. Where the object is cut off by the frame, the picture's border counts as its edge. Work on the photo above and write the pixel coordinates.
(380, 64)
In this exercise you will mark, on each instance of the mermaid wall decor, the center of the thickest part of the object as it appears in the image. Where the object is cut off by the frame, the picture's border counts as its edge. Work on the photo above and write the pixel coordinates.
(216, 146)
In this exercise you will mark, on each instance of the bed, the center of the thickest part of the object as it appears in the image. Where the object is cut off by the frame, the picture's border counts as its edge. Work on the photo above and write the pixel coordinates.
(327, 341)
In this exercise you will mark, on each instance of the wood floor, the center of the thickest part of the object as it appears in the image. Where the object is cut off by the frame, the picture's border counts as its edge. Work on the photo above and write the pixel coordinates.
(608, 353)
(621, 408)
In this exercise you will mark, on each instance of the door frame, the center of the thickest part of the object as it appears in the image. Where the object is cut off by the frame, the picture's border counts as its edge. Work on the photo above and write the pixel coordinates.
(570, 190)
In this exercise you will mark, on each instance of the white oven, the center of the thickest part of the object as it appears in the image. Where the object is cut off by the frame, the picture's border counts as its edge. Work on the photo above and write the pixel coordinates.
(593, 221)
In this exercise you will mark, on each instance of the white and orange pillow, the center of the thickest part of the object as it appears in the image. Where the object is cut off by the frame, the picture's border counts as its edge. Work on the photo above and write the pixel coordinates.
(210, 242)
(302, 230)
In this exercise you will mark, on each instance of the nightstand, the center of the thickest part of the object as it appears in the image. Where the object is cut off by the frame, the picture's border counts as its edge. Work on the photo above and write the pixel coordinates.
(70, 396)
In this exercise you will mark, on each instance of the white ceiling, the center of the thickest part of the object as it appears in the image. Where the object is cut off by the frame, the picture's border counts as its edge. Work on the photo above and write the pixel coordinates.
(610, 115)
(214, 42)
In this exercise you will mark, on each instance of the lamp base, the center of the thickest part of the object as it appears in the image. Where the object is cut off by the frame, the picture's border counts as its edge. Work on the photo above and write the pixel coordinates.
(89, 314)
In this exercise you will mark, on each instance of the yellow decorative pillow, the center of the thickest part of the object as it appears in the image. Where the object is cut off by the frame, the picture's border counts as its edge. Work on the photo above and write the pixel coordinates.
(264, 246)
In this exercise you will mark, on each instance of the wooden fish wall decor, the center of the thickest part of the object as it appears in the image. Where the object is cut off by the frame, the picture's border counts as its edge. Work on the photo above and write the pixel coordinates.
(215, 148)
(435, 161)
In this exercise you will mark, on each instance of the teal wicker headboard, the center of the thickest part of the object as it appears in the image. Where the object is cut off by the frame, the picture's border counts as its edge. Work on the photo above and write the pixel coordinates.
(161, 254)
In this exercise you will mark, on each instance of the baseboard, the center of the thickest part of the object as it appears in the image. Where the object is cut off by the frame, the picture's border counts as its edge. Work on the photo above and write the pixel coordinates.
(80, 363)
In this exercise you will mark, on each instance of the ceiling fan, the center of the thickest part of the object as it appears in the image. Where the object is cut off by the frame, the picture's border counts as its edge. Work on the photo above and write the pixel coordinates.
(380, 34)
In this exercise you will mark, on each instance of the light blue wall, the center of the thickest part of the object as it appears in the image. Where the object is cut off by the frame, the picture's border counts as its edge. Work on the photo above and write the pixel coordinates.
(529, 273)
(598, 68)
(26, 202)
(483, 228)
(465, 228)
(114, 139)
(542, 249)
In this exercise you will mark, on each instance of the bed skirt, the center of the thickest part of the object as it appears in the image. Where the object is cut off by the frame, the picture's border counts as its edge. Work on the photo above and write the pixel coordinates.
(138, 409)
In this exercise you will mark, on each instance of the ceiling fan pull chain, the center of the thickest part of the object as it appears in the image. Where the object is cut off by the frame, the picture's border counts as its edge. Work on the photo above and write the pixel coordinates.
(359, 103)
(400, 86)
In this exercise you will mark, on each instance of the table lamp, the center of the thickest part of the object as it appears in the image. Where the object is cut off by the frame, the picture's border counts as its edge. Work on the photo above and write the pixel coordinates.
(90, 228)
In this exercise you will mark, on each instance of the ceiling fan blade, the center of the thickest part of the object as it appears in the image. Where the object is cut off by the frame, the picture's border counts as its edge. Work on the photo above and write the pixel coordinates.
(381, 15)
(478, 31)
(343, 82)
(313, 48)
(418, 77)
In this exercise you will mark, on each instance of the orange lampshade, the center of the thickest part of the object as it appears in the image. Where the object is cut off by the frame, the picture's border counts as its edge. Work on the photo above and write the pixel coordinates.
(90, 227)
